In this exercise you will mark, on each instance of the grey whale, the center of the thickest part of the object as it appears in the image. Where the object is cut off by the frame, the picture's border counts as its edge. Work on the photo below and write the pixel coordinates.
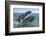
(26, 17)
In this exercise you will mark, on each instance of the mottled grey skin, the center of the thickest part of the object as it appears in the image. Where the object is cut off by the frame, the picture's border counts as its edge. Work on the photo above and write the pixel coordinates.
(30, 18)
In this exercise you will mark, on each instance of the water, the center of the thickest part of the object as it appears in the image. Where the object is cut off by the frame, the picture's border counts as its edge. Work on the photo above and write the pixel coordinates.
(34, 23)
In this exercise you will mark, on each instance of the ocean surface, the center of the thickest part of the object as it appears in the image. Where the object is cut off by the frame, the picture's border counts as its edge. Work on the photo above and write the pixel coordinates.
(34, 23)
